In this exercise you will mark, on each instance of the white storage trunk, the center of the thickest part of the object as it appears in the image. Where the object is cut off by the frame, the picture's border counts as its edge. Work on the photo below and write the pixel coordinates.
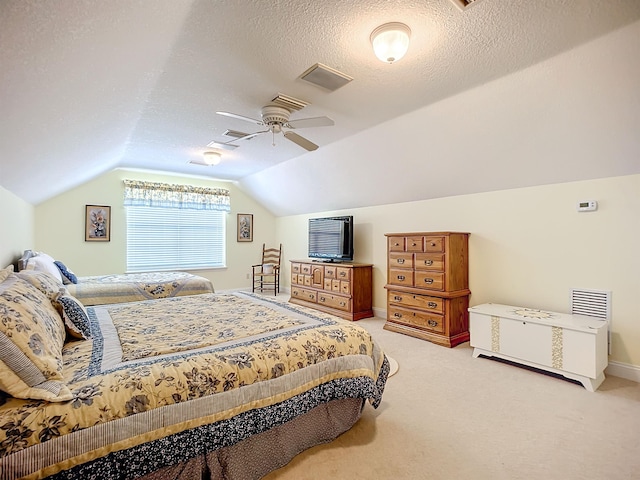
(574, 346)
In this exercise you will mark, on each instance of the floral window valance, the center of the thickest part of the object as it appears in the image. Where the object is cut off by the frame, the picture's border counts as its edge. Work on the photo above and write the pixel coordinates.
(164, 195)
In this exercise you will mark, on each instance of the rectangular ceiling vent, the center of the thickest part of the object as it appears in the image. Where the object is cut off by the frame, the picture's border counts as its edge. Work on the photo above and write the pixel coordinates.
(325, 77)
(290, 103)
(235, 134)
(464, 4)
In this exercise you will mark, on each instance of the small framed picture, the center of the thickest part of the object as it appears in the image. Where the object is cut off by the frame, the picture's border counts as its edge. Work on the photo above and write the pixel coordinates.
(245, 227)
(97, 223)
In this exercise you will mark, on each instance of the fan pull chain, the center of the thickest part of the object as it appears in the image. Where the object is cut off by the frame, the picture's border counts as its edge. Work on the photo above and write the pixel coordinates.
(273, 137)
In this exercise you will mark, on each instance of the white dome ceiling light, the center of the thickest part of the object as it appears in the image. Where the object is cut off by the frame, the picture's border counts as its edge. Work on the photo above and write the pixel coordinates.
(390, 41)
(211, 158)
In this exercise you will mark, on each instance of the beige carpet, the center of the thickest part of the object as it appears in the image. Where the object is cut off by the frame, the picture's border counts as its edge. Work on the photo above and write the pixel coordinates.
(446, 415)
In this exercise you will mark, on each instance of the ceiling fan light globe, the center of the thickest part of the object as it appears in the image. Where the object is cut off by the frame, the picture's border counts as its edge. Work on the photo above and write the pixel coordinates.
(390, 41)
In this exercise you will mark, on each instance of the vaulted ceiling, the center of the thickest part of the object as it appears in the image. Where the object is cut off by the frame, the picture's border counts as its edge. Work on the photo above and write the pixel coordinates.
(88, 86)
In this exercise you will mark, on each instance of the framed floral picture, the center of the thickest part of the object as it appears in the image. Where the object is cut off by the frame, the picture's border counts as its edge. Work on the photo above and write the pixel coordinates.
(245, 227)
(97, 223)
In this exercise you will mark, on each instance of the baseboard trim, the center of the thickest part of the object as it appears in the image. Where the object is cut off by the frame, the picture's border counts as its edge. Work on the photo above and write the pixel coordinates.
(623, 370)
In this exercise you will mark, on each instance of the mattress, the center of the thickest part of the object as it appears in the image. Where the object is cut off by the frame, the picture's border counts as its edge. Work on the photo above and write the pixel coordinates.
(132, 287)
(165, 381)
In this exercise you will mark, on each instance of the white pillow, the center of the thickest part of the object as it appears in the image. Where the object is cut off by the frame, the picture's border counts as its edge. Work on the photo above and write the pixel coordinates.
(44, 263)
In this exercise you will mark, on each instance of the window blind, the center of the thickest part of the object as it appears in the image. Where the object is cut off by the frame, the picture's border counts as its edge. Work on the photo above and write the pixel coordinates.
(174, 239)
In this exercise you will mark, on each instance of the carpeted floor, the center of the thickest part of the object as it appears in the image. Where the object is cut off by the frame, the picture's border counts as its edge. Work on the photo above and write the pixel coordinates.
(446, 415)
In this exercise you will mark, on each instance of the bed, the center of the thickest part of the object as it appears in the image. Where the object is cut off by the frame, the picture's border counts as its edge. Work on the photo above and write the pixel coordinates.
(107, 289)
(205, 386)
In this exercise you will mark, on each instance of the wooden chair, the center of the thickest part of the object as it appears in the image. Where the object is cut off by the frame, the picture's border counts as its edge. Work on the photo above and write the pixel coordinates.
(266, 274)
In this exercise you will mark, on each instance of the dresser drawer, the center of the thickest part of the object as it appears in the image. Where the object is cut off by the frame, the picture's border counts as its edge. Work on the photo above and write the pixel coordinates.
(335, 301)
(327, 283)
(434, 244)
(415, 244)
(423, 320)
(343, 273)
(304, 294)
(430, 280)
(294, 278)
(345, 287)
(330, 272)
(295, 268)
(306, 269)
(425, 302)
(429, 261)
(400, 260)
(401, 277)
(397, 244)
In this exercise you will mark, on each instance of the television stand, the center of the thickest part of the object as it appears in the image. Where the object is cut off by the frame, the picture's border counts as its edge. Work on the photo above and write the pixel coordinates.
(344, 290)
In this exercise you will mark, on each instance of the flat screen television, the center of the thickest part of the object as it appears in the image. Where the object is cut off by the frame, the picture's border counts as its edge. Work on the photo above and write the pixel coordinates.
(331, 238)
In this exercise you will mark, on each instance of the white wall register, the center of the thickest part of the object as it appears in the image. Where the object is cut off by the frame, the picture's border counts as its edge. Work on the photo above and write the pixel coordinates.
(574, 346)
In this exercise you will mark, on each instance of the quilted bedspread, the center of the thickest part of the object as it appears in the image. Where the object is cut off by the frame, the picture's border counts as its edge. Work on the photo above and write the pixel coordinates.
(133, 287)
(181, 375)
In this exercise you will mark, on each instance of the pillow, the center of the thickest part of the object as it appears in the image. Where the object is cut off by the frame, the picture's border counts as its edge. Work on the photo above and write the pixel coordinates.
(44, 263)
(67, 275)
(5, 272)
(31, 338)
(74, 315)
(42, 281)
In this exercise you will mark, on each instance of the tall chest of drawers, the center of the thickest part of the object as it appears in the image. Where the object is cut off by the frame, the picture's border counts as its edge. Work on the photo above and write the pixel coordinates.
(428, 286)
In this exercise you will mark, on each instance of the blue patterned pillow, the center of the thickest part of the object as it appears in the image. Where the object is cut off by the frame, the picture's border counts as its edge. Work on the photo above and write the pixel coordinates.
(67, 275)
(76, 320)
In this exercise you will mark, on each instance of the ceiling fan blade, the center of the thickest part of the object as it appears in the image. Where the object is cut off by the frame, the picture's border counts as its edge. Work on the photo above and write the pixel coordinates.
(303, 142)
(311, 122)
(241, 117)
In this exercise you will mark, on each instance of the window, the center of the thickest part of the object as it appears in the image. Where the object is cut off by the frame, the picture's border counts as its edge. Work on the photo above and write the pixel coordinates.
(174, 227)
(174, 239)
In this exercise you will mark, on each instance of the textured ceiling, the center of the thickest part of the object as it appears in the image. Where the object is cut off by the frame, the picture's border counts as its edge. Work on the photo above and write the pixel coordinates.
(87, 86)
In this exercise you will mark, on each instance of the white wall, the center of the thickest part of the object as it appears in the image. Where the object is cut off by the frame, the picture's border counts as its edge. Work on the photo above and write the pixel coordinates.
(528, 246)
(16, 231)
(60, 224)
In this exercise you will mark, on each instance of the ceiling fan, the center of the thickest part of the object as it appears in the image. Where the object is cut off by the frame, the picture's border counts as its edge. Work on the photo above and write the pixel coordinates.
(276, 119)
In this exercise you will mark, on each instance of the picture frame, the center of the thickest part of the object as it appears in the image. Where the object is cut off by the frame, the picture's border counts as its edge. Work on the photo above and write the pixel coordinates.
(97, 223)
(245, 227)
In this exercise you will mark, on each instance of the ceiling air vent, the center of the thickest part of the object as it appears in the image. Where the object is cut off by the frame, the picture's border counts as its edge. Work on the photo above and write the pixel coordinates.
(464, 4)
(290, 103)
(325, 77)
(235, 134)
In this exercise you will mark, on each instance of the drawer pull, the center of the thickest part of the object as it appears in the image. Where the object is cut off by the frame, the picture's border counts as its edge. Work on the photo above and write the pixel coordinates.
(401, 261)
(295, 294)
(342, 304)
(432, 323)
(397, 298)
(428, 262)
(396, 244)
(432, 304)
(343, 274)
(433, 244)
(413, 244)
(322, 299)
(401, 277)
(311, 296)
(397, 315)
(428, 281)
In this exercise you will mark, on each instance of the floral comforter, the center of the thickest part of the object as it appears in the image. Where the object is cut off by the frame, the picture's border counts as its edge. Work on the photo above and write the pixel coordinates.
(164, 380)
(134, 287)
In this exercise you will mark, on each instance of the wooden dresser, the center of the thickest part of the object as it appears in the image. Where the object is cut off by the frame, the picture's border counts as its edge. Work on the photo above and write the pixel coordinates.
(428, 286)
(342, 289)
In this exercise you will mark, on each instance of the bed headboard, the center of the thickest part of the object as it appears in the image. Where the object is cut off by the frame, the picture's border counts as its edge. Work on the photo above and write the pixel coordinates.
(22, 261)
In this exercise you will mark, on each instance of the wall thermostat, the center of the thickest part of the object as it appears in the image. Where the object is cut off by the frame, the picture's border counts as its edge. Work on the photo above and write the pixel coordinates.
(588, 206)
